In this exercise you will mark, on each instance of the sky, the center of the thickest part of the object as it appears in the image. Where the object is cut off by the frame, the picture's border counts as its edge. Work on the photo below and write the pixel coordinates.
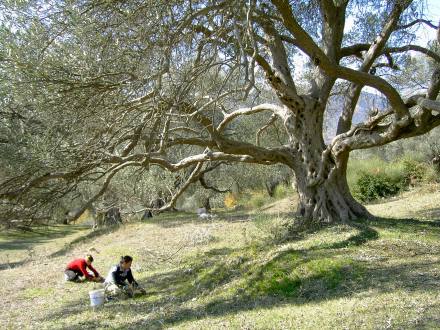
(433, 14)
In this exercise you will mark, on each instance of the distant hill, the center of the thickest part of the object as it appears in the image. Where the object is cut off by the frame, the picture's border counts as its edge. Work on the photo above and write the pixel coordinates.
(366, 103)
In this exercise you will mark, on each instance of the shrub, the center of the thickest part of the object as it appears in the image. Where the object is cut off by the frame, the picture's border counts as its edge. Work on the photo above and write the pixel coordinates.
(416, 172)
(282, 191)
(400, 173)
(357, 167)
(374, 178)
(371, 186)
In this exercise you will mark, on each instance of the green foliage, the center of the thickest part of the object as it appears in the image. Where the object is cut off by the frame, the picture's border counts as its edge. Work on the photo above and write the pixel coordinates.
(282, 191)
(371, 186)
(417, 172)
(254, 199)
(257, 199)
(374, 178)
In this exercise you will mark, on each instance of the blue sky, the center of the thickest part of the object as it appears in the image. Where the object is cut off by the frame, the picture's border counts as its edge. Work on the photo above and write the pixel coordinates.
(432, 13)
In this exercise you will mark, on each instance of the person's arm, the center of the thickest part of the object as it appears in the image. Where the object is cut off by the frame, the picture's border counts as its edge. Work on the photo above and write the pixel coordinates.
(83, 268)
(93, 270)
(130, 278)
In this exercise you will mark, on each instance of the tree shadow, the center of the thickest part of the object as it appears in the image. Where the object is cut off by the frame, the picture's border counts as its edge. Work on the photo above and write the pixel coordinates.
(222, 266)
(19, 240)
(405, 225)
(253, 284)
(433, 213)
(24, 239)
(92, 235)
(11, 265)
(169, 222)
(44, 236)
(365, 234)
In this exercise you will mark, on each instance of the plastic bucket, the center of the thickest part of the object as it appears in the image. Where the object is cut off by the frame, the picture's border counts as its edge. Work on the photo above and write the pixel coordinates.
(97, 297)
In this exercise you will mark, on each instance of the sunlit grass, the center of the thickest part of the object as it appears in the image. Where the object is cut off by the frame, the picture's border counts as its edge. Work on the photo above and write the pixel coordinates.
(243, 271)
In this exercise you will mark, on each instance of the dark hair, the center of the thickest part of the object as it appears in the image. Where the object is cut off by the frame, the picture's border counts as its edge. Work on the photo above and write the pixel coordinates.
(126, 259)
(89, 258)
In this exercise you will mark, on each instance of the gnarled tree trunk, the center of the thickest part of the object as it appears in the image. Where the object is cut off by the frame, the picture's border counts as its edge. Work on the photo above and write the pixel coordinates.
(324, 196)
(111, 217)
(329, 201)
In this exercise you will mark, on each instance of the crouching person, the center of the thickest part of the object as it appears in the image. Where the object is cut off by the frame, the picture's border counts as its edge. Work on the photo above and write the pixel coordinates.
(120, 281)
(77, 268)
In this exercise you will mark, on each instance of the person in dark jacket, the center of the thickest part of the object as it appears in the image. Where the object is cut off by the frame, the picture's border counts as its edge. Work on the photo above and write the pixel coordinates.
(120, 280)
(77, 268)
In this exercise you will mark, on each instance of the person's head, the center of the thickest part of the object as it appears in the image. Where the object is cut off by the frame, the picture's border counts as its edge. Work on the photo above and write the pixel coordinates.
(89, 259)
(126, 262)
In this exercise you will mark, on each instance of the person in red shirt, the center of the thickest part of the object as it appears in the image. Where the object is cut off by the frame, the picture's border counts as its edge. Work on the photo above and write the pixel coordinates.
(78, 268)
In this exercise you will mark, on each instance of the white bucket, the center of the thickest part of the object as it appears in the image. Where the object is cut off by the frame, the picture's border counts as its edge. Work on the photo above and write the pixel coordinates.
(97, 297)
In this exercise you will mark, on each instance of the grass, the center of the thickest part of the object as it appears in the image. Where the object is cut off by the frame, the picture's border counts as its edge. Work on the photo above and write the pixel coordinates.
(21, 246)
(244, 271)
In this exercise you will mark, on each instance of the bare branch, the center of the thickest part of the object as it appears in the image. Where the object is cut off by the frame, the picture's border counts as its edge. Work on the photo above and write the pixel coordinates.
(417, 21)
(104, 187)
(356, 49)
(272, 120)
(307, 44)
(281, 78)
(250, 111)
(191, 179)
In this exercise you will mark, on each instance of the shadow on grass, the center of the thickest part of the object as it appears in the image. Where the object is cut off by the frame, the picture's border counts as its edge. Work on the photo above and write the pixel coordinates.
(171, 220)
(433, 213)
(406, 226)
(92, 235)
(10, 265)
(365, 234)
(176, 219)
(24, 239)
(240, 282)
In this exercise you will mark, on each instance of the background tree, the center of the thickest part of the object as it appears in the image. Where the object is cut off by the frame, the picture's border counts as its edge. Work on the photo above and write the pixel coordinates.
(102, 88)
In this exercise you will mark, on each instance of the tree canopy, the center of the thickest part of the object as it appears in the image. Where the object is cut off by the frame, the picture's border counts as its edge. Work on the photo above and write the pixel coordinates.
(92, 92)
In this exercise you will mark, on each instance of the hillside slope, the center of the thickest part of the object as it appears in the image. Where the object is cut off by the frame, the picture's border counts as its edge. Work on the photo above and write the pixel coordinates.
(239, 272)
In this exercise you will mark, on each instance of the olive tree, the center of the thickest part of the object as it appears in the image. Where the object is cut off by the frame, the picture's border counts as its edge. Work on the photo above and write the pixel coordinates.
(116, 85)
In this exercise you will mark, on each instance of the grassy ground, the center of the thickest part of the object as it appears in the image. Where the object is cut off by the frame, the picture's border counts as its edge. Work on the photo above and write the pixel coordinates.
(238, 271)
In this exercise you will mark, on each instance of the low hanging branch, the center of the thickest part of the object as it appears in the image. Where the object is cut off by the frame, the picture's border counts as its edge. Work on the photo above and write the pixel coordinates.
(182, 97)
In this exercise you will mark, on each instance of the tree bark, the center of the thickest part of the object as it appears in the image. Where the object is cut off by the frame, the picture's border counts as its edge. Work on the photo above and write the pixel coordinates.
(324, 195)
(329, 202)
(112, 217)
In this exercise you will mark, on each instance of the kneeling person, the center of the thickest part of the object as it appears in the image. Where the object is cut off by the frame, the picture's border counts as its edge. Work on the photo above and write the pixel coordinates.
(116, 282)
(78, 268)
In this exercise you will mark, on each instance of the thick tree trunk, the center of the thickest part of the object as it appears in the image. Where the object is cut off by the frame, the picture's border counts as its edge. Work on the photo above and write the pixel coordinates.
(324, 196)
(112, 217)
(329, 201)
